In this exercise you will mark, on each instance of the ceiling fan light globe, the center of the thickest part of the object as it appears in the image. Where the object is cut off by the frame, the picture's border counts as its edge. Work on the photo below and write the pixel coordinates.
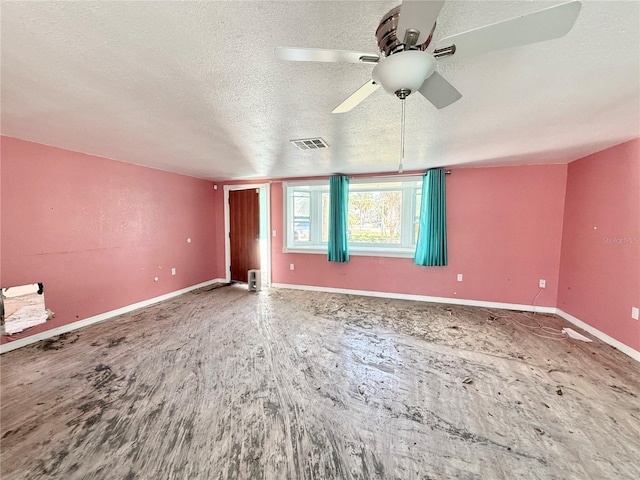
(404, 70)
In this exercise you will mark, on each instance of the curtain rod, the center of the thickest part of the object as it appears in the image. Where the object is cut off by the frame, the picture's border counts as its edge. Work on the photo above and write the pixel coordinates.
(391, 175)
(365, 175)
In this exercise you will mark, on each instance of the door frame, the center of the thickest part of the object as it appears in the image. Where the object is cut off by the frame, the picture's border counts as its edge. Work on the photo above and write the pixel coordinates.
(264, 262)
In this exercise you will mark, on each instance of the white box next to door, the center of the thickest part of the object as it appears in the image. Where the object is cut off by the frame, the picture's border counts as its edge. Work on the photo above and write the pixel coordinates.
(255, 280)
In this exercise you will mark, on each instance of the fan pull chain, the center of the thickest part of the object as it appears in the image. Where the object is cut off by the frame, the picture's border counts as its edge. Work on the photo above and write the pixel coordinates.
(400, 167)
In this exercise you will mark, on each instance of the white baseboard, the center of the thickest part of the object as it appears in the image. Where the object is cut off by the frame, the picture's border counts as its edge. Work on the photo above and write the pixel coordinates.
(7, 347)
(600, 335)
(475, 303)
(421, 298)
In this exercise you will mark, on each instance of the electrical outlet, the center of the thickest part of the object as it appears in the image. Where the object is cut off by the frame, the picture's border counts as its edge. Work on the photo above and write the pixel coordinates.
(173, 271)
(542, 283)
(634, 313)
(459, 277)
(273, 234)
(292, 266)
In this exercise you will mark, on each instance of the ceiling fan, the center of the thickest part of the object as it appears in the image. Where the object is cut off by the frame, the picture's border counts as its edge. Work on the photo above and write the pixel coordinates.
(404, 65)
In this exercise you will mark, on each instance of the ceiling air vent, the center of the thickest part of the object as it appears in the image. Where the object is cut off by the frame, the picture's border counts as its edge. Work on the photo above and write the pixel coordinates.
(309, 143)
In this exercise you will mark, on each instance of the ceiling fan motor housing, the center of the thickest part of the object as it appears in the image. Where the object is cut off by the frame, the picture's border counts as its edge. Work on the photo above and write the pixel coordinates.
(387, 35)
(404, 72)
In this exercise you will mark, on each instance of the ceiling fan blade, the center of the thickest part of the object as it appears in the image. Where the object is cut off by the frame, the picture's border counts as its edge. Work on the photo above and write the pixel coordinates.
(419, 15)
(356, 97)
(321, 55)
(547, 24)
(438, 91)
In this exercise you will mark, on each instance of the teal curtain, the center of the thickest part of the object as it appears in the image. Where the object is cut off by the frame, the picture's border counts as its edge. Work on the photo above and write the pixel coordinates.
(338, 214)
(431, 247)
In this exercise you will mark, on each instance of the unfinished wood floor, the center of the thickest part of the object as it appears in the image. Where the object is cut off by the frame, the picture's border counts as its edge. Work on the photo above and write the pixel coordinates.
(226, 384)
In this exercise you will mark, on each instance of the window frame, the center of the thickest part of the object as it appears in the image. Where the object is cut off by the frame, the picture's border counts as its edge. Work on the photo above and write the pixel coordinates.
(410, 187)
(316, 188)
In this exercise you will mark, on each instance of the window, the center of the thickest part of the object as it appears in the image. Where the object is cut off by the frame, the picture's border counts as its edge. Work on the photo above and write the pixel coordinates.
(302, 216)
(383, 216)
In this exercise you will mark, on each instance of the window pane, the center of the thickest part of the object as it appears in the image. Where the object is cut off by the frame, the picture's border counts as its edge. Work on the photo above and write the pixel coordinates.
(301, 204)
(325, 217)
(416, 219)
(301, 230)
(374, 217)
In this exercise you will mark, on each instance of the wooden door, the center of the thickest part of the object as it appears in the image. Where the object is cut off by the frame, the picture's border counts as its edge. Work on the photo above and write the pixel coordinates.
(244, 232)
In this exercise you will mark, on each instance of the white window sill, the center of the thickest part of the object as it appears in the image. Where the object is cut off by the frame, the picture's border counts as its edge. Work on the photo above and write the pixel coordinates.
(357, 251)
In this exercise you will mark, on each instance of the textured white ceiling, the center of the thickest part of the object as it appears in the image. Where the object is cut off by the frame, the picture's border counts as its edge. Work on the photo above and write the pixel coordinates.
(194, 87)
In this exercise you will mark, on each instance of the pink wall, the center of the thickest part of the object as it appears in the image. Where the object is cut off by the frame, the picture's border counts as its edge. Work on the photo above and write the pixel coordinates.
(97, 231)
(504, 234)
(600, 266)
